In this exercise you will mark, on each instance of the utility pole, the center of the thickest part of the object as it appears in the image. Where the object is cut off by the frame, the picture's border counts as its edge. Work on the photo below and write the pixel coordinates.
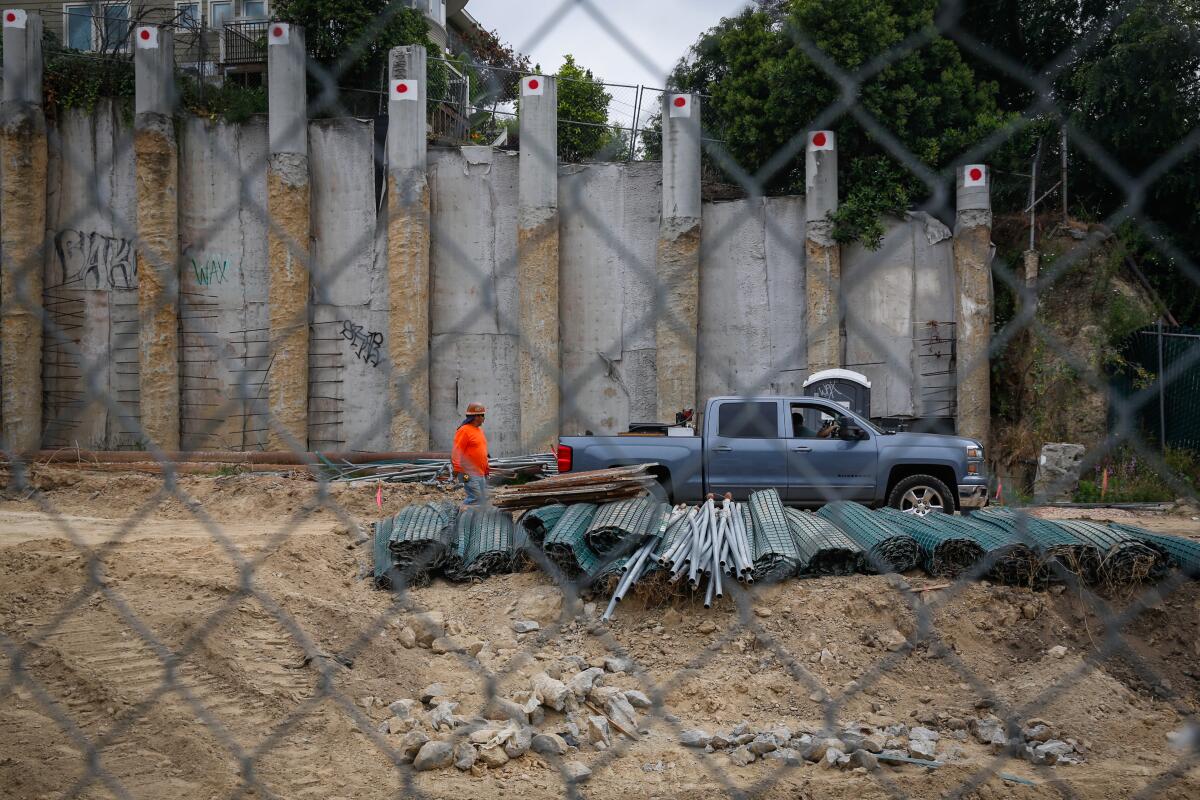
(1066, 216)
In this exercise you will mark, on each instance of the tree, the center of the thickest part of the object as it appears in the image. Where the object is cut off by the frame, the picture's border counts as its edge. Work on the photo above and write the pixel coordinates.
(763, 90)
(495, 67)
(1135, 92)
(351, 38)
(583, 128)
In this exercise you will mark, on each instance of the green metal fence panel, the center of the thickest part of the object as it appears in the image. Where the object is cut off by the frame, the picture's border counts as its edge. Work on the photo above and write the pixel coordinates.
(888, 547)
(823, 548)
(1167, 413)
(774, 550)
(947, 553)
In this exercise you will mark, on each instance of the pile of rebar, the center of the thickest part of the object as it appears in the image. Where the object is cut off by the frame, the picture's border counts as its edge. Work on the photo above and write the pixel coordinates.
(1183, 553)
(775, 554)
(413, 544)
(1062, 553)
(430, 470)
(822, 547)
(887, 548)
(948, 552)
(593, 486)
(1126, 559)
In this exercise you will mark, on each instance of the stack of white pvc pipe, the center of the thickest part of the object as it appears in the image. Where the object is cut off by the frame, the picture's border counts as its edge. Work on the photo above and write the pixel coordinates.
(714, 542)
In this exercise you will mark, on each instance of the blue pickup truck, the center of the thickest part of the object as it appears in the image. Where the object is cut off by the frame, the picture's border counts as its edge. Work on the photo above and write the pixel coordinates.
(811, 450)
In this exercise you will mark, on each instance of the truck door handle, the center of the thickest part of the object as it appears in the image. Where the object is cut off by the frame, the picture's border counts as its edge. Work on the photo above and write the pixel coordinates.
(802, 449)
(722, 448)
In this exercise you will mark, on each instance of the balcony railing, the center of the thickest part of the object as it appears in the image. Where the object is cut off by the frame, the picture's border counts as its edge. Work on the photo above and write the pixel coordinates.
(244, 42)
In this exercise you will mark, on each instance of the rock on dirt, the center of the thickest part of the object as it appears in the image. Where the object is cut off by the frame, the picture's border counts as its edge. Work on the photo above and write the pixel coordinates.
(695, 738)
(576, 771)
(525, 626)
(549, 744)
(434, 755)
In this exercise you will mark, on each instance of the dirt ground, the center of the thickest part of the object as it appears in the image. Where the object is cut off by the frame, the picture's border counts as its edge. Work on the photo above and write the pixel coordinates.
(210, 619)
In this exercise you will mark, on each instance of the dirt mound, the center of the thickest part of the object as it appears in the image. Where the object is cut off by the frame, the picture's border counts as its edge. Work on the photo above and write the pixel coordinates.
(248, 655)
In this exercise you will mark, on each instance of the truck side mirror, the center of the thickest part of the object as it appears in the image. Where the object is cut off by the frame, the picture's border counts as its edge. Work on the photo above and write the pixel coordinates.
(849, 430)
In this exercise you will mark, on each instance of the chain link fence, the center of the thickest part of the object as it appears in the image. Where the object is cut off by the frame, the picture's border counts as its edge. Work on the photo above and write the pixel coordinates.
(251, 658)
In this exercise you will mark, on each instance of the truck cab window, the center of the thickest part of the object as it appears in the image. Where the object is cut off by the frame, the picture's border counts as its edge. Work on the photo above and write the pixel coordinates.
(748, 421)
(812, 422)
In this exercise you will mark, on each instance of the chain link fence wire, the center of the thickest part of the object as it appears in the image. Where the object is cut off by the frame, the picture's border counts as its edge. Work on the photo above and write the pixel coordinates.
(44, 676)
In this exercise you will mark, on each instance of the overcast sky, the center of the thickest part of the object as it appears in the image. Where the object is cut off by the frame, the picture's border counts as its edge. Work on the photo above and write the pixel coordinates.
(661, 30)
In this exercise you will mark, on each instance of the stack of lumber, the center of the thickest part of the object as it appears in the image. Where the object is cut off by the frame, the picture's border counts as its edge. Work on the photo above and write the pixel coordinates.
(595, 486)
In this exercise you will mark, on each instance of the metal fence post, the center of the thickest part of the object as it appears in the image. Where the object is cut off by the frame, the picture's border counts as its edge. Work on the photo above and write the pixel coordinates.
(1162, 391)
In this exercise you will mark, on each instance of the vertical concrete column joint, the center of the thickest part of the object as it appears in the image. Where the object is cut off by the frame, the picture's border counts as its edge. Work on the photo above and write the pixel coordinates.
(156, 157)
(537, 264)
(677, 267)
(408, 249)
(825, 317)
(973, 329)
(23, 148)
(289, 226)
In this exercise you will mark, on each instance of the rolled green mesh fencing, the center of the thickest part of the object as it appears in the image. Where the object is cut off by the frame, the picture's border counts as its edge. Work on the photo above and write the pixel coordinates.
(540, 521)
(888, 547)
(947, 553)
(1125, 559)
(822, 547)
(484, 542)
(1053, 544)
(420, 540)
(620, 526)
(614, 562)
(774, 551)
(1005, 559)
(385, 563)
(1183, 553)
(565, 545)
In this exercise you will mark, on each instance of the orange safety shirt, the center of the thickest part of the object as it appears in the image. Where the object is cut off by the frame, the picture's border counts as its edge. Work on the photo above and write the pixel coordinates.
(470, 453)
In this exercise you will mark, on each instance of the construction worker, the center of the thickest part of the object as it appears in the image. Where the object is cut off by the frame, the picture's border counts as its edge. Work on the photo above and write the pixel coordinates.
(469, 457)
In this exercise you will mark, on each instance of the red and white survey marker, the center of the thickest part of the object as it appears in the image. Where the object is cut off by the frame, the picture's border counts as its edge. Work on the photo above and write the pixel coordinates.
(403, 89)
(975, 175)
(680, 105)
(14, 18)
(280, 33)
(146, 37)
(533, 84)
(820, 140)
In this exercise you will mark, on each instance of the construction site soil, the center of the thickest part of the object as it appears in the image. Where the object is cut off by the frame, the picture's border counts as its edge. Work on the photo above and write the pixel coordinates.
(251, 588)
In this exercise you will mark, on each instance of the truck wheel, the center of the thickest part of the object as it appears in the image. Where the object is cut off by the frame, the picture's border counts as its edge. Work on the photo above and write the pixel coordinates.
(921, 495)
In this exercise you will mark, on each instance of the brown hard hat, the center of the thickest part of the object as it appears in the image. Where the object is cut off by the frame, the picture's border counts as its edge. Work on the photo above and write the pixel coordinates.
(475, 408)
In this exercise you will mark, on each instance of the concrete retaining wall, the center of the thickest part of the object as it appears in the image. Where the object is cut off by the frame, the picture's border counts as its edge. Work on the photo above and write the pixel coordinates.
(223, 285)
(90, 290)
(752, 331)
(348, 369)
(609, 217)
(473, 312)
(900, 299)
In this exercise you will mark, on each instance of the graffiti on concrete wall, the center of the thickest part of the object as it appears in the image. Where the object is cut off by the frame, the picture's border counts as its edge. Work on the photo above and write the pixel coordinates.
(209, 270)
(96, 260)
(367, 343)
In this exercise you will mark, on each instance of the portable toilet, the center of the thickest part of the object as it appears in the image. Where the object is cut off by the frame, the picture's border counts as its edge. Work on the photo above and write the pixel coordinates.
(842, 386)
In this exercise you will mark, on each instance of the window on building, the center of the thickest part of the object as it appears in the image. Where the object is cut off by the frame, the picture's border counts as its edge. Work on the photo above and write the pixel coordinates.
(254, 9)
(78, 24)
(220, 12)
(114, 28)
(188, 15)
